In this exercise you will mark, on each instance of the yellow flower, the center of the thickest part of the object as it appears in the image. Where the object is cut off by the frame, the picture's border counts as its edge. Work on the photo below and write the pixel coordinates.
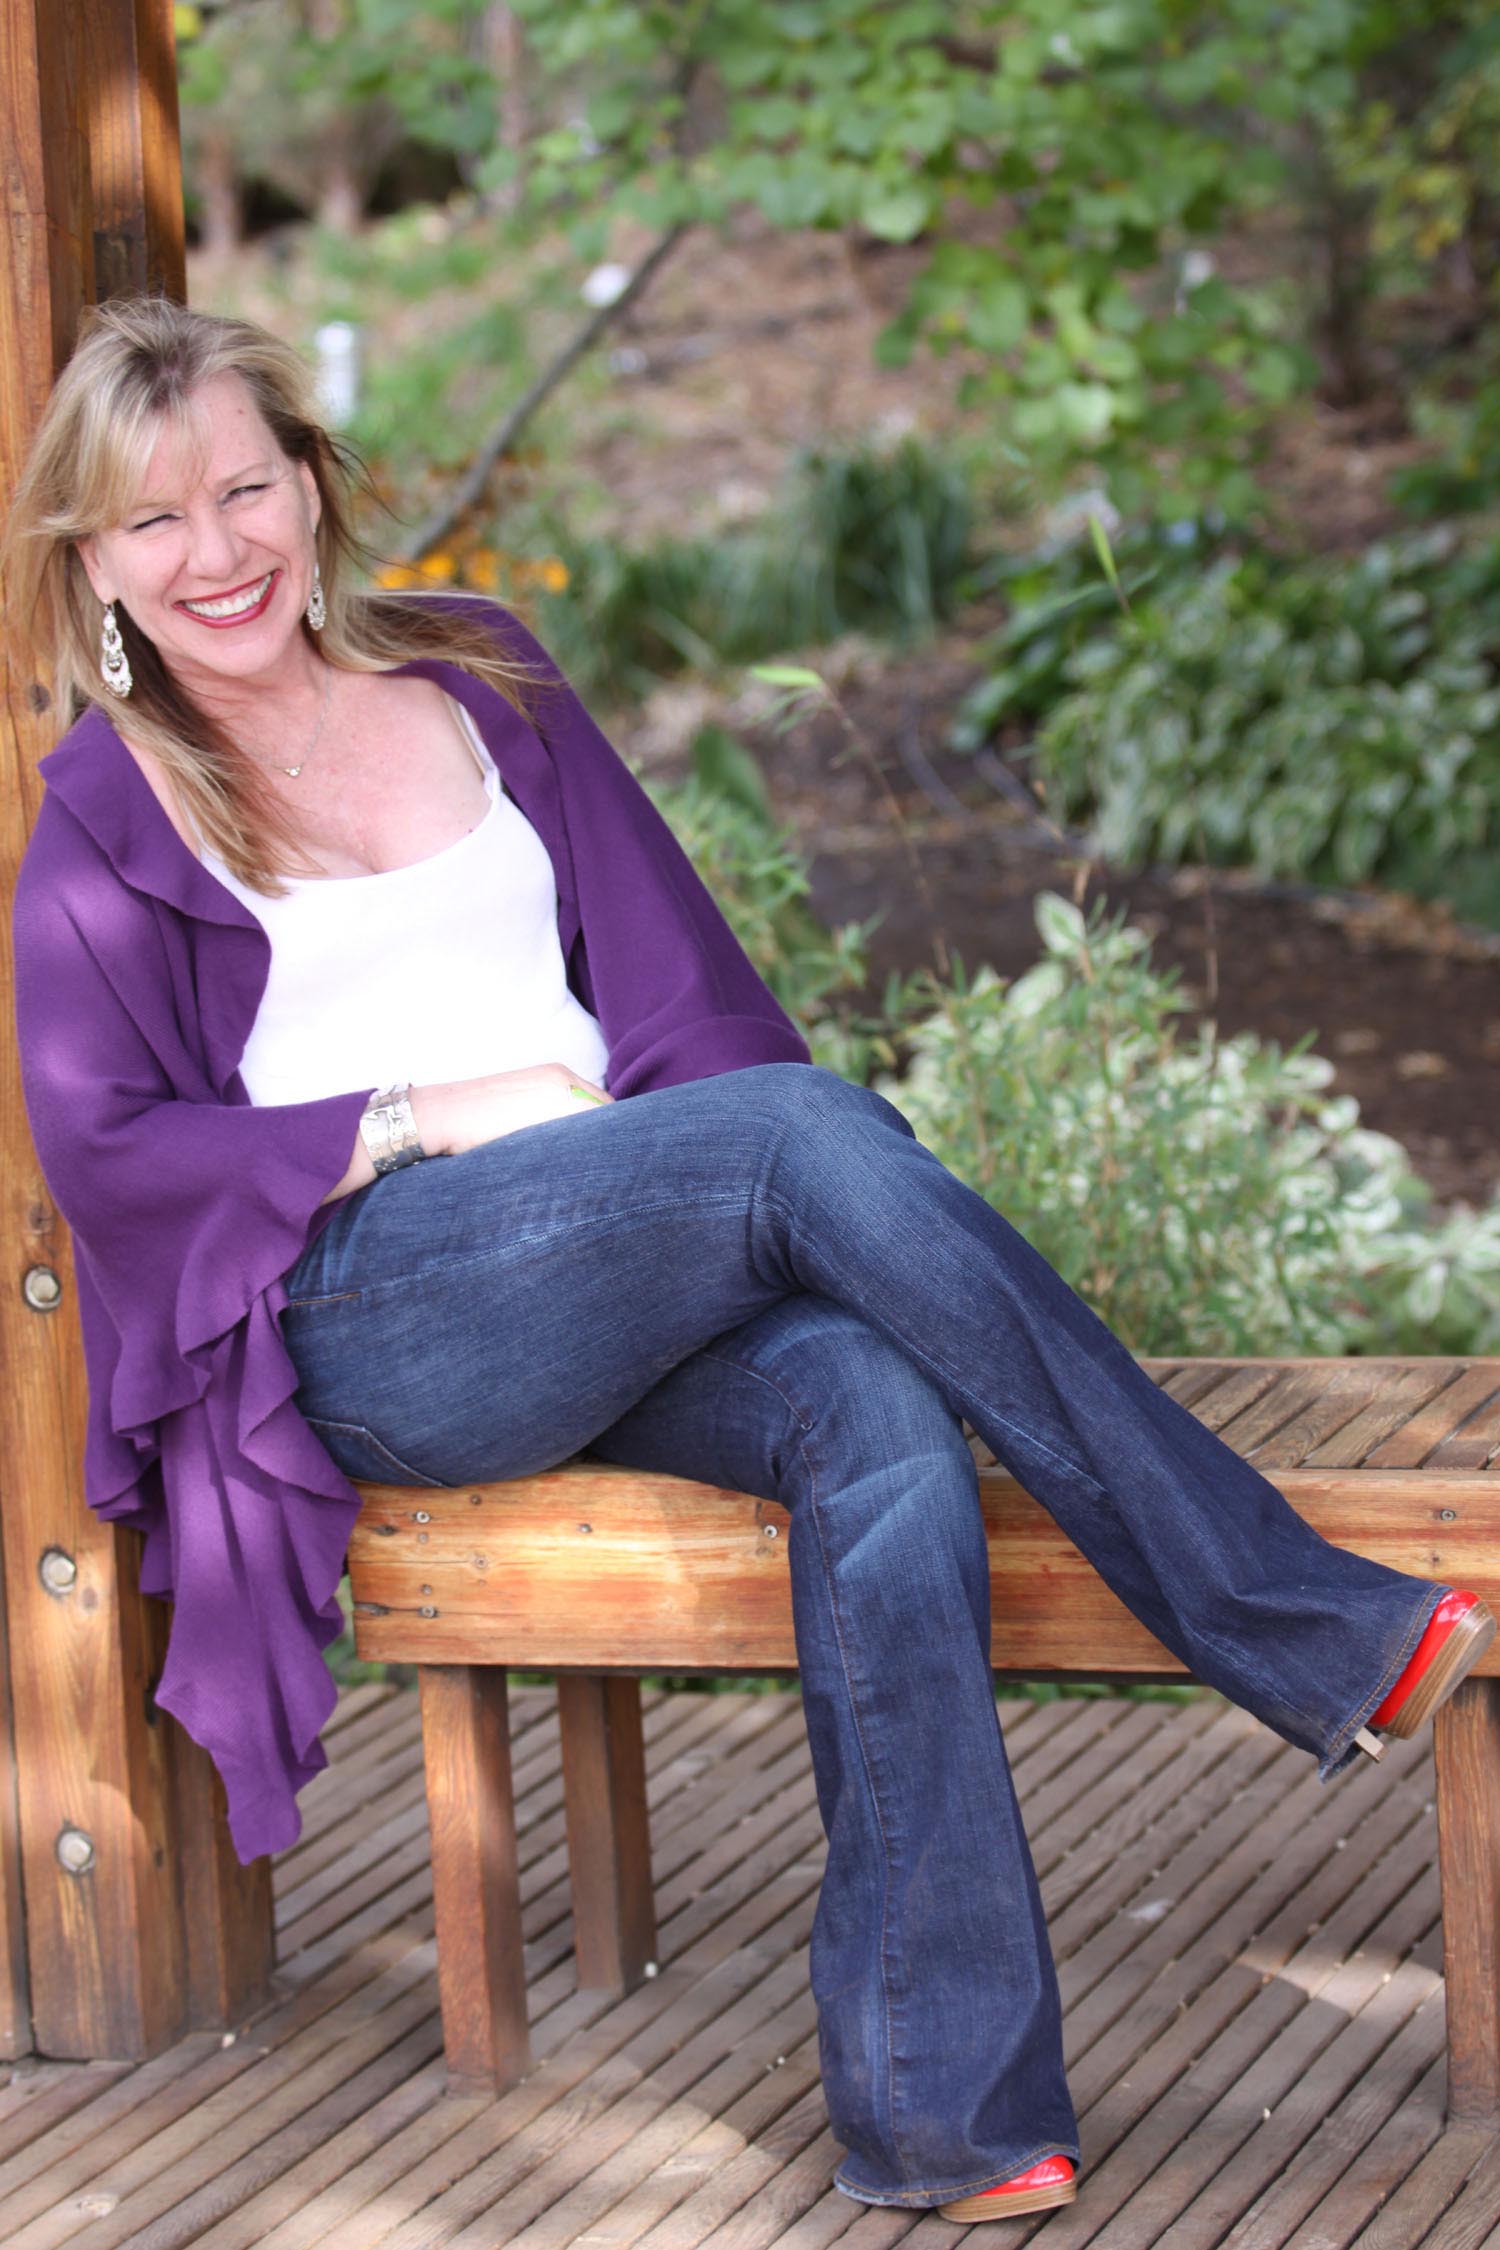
(437, 567)
(554, 574)
(397, 575)
(483, 570)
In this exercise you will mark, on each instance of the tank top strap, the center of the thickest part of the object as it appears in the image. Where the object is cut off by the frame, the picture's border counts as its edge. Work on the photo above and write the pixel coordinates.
(472, 736)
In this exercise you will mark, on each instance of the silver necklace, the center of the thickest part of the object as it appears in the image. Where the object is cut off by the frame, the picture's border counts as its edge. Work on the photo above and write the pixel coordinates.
(293, 771)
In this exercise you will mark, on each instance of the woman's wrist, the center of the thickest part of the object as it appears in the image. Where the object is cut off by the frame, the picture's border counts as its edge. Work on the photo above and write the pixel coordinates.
(427, 1116)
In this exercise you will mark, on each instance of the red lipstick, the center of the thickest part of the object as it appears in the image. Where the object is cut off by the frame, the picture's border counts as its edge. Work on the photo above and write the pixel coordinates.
(245, 615)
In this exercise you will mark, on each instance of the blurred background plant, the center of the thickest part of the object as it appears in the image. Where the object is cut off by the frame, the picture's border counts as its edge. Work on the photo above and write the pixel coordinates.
(1331, 718)
(1145, 231)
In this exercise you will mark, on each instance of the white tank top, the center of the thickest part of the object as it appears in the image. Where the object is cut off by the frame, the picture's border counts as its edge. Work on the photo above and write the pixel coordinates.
(447, 969)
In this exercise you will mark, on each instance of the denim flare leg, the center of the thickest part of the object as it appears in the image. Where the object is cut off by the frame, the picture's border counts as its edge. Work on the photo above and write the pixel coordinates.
(764, 1280)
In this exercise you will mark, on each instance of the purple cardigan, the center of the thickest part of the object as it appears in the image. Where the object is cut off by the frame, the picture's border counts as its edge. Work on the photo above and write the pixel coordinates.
(138, 976)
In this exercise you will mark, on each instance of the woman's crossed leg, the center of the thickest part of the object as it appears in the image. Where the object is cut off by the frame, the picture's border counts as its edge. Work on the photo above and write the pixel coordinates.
(491, 1313)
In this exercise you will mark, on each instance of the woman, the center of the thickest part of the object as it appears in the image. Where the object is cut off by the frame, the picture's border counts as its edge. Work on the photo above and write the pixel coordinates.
(417, 1117)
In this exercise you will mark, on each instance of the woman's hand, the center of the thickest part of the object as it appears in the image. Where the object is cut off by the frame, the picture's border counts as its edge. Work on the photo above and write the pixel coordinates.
(465, 1112)
(468, 1111)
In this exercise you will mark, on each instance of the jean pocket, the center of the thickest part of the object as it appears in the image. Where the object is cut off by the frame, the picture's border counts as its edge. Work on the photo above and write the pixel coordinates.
(361, 1455)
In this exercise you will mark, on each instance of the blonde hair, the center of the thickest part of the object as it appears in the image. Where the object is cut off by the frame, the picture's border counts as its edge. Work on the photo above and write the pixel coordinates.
(138, 365)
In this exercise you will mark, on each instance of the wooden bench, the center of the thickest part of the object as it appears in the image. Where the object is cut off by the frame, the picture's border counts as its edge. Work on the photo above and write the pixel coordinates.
(600, 1574)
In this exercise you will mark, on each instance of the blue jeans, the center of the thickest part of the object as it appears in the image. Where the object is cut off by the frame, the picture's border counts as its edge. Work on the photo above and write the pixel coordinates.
(764, 1280)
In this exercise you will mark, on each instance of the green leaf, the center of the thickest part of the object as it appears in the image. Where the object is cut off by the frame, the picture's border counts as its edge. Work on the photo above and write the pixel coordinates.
(999, 316)
(895, 214)
(1105, 552)
(724, 765)
(786, 675)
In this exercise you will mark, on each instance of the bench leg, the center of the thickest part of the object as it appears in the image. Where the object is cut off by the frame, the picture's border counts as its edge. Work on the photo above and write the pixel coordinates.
(475, 1876)
(609, 1834)
(1467, 1748)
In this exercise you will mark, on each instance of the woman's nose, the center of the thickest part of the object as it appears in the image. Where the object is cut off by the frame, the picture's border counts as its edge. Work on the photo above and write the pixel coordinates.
(213, 548)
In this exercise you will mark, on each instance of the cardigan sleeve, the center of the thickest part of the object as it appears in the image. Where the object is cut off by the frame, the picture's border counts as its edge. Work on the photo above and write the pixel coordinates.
(675, 993)
(188, 1206)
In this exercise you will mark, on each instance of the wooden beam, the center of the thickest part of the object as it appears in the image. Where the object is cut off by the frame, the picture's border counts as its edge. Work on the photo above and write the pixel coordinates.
(589, 1566)
(103, 1800)
(45, 282)
(135, 153)
(1467, 1748)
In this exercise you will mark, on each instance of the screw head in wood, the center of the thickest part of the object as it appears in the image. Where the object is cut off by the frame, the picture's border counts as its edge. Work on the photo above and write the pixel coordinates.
(57, 1571)
(75, 1851)
(41, 1289)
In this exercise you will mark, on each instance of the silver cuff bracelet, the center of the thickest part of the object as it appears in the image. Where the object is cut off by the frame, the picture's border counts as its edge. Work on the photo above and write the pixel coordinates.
(389, 1131)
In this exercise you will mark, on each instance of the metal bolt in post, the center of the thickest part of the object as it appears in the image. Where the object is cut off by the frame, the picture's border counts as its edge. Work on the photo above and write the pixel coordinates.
(75, 1851)
(41, 1289)
(57, 1571)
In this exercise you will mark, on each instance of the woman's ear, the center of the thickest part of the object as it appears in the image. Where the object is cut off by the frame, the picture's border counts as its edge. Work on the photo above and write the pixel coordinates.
(88, 555)
(314, 496)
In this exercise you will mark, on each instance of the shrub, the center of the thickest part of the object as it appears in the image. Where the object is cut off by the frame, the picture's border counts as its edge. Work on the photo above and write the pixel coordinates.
(1204, 1196)
(1327, 720)
(1057, 602)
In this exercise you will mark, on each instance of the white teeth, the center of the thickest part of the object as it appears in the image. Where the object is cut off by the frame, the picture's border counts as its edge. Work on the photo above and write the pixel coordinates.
(231, 606)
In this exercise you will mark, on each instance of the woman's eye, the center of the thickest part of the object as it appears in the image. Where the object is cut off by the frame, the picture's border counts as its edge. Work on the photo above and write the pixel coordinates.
(239, 488)
(149, 521)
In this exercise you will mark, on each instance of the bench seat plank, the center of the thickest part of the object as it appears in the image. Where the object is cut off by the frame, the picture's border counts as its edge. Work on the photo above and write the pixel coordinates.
(600, 1568)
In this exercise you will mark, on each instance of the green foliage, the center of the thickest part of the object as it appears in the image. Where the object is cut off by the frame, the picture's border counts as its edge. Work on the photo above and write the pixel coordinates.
(874, 540)
(1110, 149)
(1107, 141)
(723, 819)
(425, 412)
(1326, 719)
(1057, 603)
(261, 78)
(883, 536)
(1420, 154)
(1461, 475)
(1203, 1197)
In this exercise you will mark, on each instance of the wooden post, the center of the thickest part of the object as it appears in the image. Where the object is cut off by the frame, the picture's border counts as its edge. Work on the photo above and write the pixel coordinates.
(609, 1830)
(109, 1822)
(476, 1878)
(1467, 1750)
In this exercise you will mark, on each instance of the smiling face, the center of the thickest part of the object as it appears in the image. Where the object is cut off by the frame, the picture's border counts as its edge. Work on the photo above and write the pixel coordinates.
(215, 561)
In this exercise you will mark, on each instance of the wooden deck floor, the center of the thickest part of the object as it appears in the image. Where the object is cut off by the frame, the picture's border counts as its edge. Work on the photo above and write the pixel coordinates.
(1250, 1964)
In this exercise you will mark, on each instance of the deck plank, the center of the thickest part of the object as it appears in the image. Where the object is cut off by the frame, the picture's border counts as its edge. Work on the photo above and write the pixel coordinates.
(1232, 1937)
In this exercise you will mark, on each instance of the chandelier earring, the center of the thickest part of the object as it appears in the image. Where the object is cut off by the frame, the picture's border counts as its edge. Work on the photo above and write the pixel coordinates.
(114, 664)
(317, 607)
